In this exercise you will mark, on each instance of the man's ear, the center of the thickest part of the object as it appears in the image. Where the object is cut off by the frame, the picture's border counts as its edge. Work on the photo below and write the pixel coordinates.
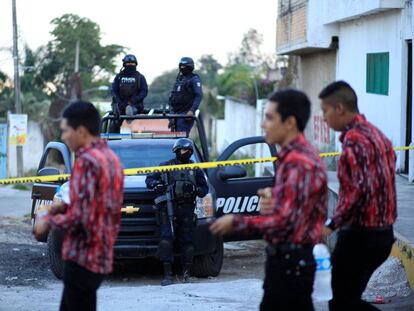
(291, 122)
(340, 108)
(82, 130)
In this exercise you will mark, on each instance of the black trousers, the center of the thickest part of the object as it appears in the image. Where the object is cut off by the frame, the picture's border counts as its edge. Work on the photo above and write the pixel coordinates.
(80, 286)
(184, 225)
(116, 124)
(357, 254)
(288, 281)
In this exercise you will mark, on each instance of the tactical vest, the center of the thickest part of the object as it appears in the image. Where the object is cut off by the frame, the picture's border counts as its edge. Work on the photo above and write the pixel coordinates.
(182, 95)
(129, 85)
(184, 184)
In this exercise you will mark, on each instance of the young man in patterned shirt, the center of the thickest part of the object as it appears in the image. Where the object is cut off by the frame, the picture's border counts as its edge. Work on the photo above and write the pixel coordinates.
(92, 218)
(366, 207)
(293, 212)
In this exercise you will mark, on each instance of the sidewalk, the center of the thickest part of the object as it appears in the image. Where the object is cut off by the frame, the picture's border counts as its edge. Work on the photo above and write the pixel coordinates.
(403, 228)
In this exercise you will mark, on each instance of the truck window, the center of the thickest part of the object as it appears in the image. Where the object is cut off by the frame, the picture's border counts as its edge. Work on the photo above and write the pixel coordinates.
(55, 159)
(257, 150)
(137, 156)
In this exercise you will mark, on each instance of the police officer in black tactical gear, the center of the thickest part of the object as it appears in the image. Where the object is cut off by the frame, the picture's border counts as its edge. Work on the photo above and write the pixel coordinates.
(129, 89)
(186, 95)
(186, 185)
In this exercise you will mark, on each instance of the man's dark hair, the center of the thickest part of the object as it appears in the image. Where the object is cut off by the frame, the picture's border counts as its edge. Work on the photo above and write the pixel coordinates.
(83, 113)
(294, 103)
(340, 92)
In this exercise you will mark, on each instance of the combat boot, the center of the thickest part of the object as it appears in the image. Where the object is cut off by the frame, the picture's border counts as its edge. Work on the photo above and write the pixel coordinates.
(168, 276)
(129, 111)
(186, 274)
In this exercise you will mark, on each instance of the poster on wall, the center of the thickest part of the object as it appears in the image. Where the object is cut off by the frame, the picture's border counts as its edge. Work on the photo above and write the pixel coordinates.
(17, 129)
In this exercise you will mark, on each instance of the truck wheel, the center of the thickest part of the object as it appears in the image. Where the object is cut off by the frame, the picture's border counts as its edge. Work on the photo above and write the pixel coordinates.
(54, 249)
(210, 264)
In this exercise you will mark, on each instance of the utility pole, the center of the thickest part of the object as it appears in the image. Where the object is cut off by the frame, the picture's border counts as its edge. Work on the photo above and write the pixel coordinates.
(17, 103)
(77, 57)
(75, 82)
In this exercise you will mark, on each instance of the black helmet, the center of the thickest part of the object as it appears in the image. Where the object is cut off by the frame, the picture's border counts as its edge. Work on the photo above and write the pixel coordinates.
(129, 58)
(183, 143)
(186, 61)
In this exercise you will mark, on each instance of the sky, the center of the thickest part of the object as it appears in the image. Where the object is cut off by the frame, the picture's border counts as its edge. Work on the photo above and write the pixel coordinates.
(158, 32)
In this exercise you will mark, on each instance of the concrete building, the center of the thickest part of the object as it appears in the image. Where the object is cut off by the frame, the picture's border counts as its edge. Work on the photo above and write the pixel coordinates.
(366, 43)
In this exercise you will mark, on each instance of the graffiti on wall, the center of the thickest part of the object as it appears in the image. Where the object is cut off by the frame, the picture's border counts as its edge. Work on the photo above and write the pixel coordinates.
(320, 130)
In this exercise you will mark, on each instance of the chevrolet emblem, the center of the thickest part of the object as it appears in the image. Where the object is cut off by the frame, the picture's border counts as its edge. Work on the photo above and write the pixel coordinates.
(130, 209)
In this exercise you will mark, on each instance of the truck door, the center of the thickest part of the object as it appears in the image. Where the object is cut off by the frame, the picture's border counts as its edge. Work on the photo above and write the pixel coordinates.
(236, 187)
(55, 160)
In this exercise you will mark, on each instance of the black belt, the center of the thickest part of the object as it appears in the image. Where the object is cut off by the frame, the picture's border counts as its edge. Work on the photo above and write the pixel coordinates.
(283, 248)
(366, 229)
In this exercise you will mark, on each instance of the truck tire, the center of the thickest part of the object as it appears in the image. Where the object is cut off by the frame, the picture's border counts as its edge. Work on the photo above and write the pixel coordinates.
(209, 264)
(54, 249)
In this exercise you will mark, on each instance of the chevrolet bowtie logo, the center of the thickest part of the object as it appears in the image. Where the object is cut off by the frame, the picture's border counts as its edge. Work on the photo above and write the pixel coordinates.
(130, 209)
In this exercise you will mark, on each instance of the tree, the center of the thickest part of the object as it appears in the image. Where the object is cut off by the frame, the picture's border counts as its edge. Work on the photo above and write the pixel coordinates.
(96, 61)
(237, 81)
(250, 51)
(6, 95)
(209, 68)
(34, 101)
(160, 89)
(248, 69)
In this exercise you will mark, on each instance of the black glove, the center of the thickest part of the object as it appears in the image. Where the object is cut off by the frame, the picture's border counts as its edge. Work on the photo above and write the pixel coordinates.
(160, 188)
(188, 188)
(200, 192)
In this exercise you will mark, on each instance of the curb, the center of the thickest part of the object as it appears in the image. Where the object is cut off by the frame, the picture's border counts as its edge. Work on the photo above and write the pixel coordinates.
(405, 252)
(401, 249)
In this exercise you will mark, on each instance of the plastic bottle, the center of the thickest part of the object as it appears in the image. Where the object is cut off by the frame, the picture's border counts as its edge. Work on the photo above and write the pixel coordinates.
(322, 285)
(62, 193)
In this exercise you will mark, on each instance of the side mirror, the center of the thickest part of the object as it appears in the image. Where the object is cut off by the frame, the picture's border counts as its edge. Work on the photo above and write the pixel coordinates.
(234, 171)
(47, 171)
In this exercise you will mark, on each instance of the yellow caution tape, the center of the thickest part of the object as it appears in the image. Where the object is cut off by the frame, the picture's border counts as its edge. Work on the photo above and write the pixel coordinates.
(165, 168)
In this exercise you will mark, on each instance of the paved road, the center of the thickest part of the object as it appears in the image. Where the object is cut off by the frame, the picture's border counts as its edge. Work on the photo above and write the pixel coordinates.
(14, 203)
(26, 283)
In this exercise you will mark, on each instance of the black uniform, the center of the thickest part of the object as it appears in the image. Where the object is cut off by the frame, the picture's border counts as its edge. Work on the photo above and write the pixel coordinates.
(129, 88)
(184, 204)
(186, 95)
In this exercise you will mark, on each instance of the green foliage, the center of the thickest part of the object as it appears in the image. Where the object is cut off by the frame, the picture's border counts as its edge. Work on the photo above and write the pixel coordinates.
(208, 71)
(21, 187)
(97, 63)
(237, 81)
(160, 89)
(211, 105)
(47, 71)
(34, 101)
(249, 53)
(246, 69)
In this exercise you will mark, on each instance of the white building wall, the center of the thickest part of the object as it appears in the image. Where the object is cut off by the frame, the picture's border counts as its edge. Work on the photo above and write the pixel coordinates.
(372, 34)
(32, 151)
(239, 122)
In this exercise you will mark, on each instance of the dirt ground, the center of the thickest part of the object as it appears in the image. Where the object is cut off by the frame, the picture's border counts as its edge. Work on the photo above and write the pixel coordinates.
(24, 272)
(24, 262)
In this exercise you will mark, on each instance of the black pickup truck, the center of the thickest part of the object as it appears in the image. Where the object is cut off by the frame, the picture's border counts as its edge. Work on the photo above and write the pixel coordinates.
(232, 189)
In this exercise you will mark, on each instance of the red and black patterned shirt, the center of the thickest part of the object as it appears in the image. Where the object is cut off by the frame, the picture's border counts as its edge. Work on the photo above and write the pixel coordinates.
(92, 219)
(300, 198)
(366, 173)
